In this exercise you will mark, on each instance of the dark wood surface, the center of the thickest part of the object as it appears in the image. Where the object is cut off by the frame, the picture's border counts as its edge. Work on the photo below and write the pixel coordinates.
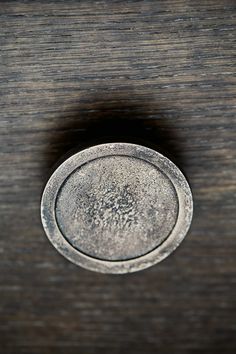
(72, 71)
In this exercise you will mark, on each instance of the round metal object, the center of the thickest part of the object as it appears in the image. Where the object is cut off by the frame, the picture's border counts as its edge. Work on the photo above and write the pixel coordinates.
(116, 208)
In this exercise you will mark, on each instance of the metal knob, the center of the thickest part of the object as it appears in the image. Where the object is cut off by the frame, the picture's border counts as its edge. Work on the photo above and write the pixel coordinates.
(116, 208)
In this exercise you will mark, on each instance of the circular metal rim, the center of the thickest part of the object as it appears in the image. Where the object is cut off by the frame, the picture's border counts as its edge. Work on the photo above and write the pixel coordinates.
(176, 236)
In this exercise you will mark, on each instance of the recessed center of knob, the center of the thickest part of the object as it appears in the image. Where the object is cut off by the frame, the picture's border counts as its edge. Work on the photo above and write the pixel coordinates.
(116, 208)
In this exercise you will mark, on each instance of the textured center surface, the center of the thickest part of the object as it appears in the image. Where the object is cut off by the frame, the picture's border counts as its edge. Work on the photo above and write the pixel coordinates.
(116, 208)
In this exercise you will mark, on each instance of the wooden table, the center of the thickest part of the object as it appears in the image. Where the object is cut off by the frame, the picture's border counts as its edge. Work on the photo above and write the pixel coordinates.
(72, 71)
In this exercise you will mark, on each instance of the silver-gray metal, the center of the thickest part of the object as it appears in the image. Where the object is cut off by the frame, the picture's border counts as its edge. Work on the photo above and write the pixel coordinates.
(116, 208)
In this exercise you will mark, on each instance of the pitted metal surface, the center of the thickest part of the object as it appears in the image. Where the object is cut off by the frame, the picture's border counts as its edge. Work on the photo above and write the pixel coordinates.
(119, 208)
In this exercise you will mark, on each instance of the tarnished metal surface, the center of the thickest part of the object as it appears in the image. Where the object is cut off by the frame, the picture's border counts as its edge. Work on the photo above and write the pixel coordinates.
(116, 207)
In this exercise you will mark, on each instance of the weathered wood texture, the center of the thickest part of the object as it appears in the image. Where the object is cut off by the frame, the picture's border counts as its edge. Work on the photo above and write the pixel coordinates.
(70, 70)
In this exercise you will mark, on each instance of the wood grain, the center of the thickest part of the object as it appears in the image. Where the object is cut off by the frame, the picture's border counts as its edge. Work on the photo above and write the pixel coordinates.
(71, 71)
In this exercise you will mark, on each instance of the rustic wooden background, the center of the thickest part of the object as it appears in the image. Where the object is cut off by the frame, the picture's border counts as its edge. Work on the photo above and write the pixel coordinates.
(160, 70)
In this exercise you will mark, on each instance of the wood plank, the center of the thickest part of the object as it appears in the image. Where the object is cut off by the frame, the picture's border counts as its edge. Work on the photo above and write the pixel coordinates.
(72, 71)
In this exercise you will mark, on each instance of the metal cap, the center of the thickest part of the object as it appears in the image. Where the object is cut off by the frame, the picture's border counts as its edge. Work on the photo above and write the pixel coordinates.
(116, 208)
